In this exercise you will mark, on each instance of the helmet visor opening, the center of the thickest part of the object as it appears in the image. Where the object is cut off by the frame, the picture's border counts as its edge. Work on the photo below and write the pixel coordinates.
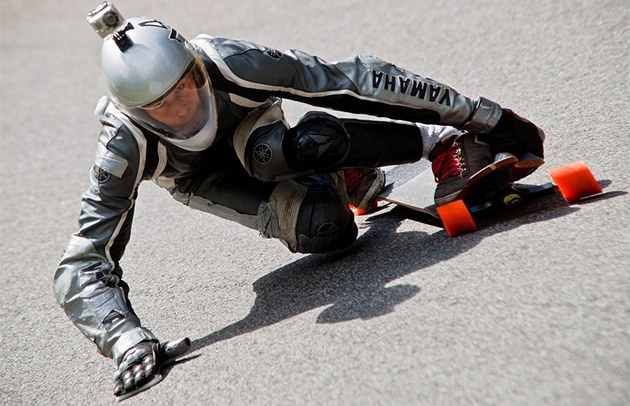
(196, 70)
(183, 110)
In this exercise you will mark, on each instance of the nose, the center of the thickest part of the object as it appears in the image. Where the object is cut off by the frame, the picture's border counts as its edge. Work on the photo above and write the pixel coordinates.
(185, 102)
(182, 108)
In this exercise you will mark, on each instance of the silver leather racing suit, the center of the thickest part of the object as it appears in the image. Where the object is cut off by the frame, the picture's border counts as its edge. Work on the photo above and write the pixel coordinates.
(88, 283)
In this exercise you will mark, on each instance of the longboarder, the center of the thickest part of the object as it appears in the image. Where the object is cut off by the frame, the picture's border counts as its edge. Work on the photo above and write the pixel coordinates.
(203, 119)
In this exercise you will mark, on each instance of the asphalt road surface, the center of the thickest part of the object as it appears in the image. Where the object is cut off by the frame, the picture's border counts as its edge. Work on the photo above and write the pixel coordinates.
(532, 309)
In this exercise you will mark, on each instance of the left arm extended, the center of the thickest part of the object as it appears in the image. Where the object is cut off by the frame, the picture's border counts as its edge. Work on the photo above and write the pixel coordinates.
(362, 84)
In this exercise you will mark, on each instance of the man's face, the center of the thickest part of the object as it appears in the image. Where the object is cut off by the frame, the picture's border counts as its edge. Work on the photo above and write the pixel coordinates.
(179, 107)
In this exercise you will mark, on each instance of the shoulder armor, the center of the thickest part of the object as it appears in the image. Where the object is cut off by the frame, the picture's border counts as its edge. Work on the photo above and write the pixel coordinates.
(117, 146)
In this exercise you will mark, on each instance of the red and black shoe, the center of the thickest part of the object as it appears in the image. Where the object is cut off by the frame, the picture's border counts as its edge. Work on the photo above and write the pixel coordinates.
(364, 185)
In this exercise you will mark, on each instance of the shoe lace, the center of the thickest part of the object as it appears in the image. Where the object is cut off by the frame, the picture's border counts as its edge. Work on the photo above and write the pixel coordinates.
(448, 163)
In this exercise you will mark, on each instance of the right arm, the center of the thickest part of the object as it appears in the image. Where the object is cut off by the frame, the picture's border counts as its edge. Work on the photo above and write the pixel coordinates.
(88, 283)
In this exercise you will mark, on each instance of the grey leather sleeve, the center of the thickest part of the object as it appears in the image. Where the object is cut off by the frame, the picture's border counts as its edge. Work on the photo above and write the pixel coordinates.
(87, 283)
(361, 84)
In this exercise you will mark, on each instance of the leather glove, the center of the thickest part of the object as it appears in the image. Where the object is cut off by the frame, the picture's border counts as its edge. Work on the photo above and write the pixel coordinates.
(516, 135)
(140, 367)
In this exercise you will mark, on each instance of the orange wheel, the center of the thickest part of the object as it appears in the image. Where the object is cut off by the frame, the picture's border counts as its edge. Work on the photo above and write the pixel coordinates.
(575, 181)
(361, 212)
(356, 211)
(456, 218)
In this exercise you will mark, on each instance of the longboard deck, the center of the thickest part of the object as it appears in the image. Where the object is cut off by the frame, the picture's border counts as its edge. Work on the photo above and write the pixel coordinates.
(415, 193)
(410, 187)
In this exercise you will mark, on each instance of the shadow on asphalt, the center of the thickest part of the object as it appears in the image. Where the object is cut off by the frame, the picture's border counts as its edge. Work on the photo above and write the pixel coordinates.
(352, 284)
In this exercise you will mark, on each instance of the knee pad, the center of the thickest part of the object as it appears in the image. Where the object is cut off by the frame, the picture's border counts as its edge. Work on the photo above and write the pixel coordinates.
(324, 223)
(258, 143)
(319, 141)
(310, 214)
(271, 151)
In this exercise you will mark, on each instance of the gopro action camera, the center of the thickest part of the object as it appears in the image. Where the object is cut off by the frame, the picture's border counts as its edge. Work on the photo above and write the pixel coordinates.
(105, 19)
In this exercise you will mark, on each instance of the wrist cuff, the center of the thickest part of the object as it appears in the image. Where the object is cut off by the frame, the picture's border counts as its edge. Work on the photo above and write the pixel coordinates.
(485, 116)
(128, 340)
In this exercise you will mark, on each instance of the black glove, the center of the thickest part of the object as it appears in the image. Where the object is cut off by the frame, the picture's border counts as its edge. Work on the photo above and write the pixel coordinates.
(141, 365)
(515, 135)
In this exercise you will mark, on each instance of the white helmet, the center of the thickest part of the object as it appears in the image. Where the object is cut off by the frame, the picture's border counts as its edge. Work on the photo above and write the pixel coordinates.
(143, 59)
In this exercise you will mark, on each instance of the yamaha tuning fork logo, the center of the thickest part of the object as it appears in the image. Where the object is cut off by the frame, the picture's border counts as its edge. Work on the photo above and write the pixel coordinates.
(263, 154)
(100, 174)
